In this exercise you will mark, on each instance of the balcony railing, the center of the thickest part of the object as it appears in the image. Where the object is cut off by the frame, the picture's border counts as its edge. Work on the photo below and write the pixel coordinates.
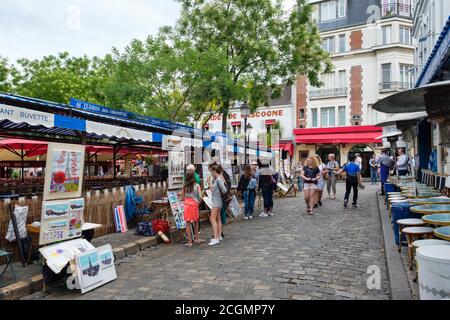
(396, 9)
(395, 86)
(328, 93)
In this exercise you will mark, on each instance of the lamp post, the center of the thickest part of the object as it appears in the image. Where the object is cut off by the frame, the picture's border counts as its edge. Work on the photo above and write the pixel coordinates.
(245, 112)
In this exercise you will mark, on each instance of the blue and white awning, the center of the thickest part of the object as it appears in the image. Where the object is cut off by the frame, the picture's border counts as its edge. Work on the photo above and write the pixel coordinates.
(37, 118)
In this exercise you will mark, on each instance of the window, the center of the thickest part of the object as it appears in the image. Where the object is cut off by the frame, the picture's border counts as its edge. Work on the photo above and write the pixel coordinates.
(315, 14)
(386, 75)
(342, 78)
(328, 11)
(328, 44)
(405, 35)
(342, 116)
(405, 76)
(302, 113)
(342, 48)
(341, 8)
(386, 34)
(236, 129)
(314, 118)
(328, 117)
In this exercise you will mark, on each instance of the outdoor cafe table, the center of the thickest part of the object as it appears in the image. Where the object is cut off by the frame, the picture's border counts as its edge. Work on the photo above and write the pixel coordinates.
(430, 201)
(426, 194)
(437, 219)
(431, 209)
(443, 233)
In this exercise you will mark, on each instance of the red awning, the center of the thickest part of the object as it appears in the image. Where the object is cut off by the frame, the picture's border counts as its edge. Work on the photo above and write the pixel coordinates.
(287, 146)
(270, 122)
(355, 134)
(236, 124)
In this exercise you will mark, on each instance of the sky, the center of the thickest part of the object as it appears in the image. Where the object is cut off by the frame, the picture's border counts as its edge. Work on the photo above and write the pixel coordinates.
(35, 28)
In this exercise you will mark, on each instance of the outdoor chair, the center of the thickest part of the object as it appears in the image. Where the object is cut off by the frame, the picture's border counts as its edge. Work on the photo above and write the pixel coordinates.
(8, 256)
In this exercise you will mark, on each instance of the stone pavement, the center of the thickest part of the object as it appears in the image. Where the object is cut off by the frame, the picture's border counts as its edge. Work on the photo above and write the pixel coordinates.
(289, 256)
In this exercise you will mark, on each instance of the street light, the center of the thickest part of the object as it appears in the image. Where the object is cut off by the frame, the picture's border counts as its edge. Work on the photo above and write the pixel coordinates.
(245, 112)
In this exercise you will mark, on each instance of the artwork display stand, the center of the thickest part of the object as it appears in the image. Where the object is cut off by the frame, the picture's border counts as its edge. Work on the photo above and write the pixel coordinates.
(62, 220)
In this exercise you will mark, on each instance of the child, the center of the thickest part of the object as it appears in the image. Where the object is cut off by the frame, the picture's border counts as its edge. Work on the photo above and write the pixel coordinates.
(192, 195)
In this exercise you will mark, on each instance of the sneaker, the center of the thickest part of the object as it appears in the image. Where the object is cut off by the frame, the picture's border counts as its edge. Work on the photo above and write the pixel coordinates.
(221, 239)
(270, 213)
(251, 217)
(213, 242)
(355, 206)
(346, 203)
(263, 215)
(245, 218)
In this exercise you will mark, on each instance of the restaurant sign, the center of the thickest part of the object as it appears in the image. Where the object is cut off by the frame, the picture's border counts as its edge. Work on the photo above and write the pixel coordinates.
(21, 115)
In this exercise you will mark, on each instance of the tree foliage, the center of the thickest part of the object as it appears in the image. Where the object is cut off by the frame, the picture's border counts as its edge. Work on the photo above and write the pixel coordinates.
(264, 46)
(164, 76)
(5, 75)
(58, 78)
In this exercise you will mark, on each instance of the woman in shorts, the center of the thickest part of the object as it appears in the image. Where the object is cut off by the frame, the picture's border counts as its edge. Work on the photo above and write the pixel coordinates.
(310, 176)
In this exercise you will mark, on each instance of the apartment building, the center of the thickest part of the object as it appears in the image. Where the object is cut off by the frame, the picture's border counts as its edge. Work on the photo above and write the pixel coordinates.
(371, 48)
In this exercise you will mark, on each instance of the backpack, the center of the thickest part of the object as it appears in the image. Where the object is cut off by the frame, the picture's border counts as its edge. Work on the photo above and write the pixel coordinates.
(226, 198)
(144, 229)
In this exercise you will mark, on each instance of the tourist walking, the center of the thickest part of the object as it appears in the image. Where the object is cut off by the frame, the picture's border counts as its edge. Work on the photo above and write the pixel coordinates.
(402, 163)
(298, 176)
(268, 179)
(310, 176)
(321, 183)
(247, 185)
(385, 167)
(218, 191)
(191, 194)
(373, 163)
(352, 180)
(332, 170)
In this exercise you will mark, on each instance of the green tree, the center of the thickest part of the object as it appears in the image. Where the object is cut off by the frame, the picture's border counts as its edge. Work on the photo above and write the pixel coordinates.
(164, 76)
(264, 46)
(59, 78)
(5, 73)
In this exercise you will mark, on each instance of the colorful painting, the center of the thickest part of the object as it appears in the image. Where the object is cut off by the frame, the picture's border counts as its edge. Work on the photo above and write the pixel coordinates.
(76, 214)
(54, 210)
(89, 269)
(66, 171)
(177, 209)
(120, 220)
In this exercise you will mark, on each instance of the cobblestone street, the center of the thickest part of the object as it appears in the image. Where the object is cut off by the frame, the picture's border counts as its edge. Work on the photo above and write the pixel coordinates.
(289, 256)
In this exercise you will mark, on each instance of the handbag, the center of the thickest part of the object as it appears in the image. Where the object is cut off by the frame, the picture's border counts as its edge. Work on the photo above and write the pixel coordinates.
(144, 229)
(160, 225)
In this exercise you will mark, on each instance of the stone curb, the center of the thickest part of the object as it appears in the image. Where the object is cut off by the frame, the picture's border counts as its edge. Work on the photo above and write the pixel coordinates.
(23, 288)
(398, 279)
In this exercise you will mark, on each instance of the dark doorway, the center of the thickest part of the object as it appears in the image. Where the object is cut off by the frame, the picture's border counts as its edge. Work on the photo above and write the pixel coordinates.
(366, 154)
(324, 151)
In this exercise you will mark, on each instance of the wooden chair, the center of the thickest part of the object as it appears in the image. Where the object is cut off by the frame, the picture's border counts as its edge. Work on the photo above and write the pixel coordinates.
(413, 234)
(406, 223)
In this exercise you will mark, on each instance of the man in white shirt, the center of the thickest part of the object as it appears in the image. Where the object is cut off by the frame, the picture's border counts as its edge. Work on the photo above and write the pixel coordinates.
(402, 163)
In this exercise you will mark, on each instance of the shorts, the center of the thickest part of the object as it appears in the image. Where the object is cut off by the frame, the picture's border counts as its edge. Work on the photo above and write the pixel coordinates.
(310, 186)
(321, 185)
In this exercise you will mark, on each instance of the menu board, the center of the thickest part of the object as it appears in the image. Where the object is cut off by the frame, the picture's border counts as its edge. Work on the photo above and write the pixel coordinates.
(61, 220)
(177, 207)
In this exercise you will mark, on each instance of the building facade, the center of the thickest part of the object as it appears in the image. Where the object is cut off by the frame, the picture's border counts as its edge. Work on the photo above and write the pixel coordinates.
(371, 47)
(431, 33)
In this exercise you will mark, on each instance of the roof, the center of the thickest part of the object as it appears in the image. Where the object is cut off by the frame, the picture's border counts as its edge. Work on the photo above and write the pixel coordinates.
(402, 117)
